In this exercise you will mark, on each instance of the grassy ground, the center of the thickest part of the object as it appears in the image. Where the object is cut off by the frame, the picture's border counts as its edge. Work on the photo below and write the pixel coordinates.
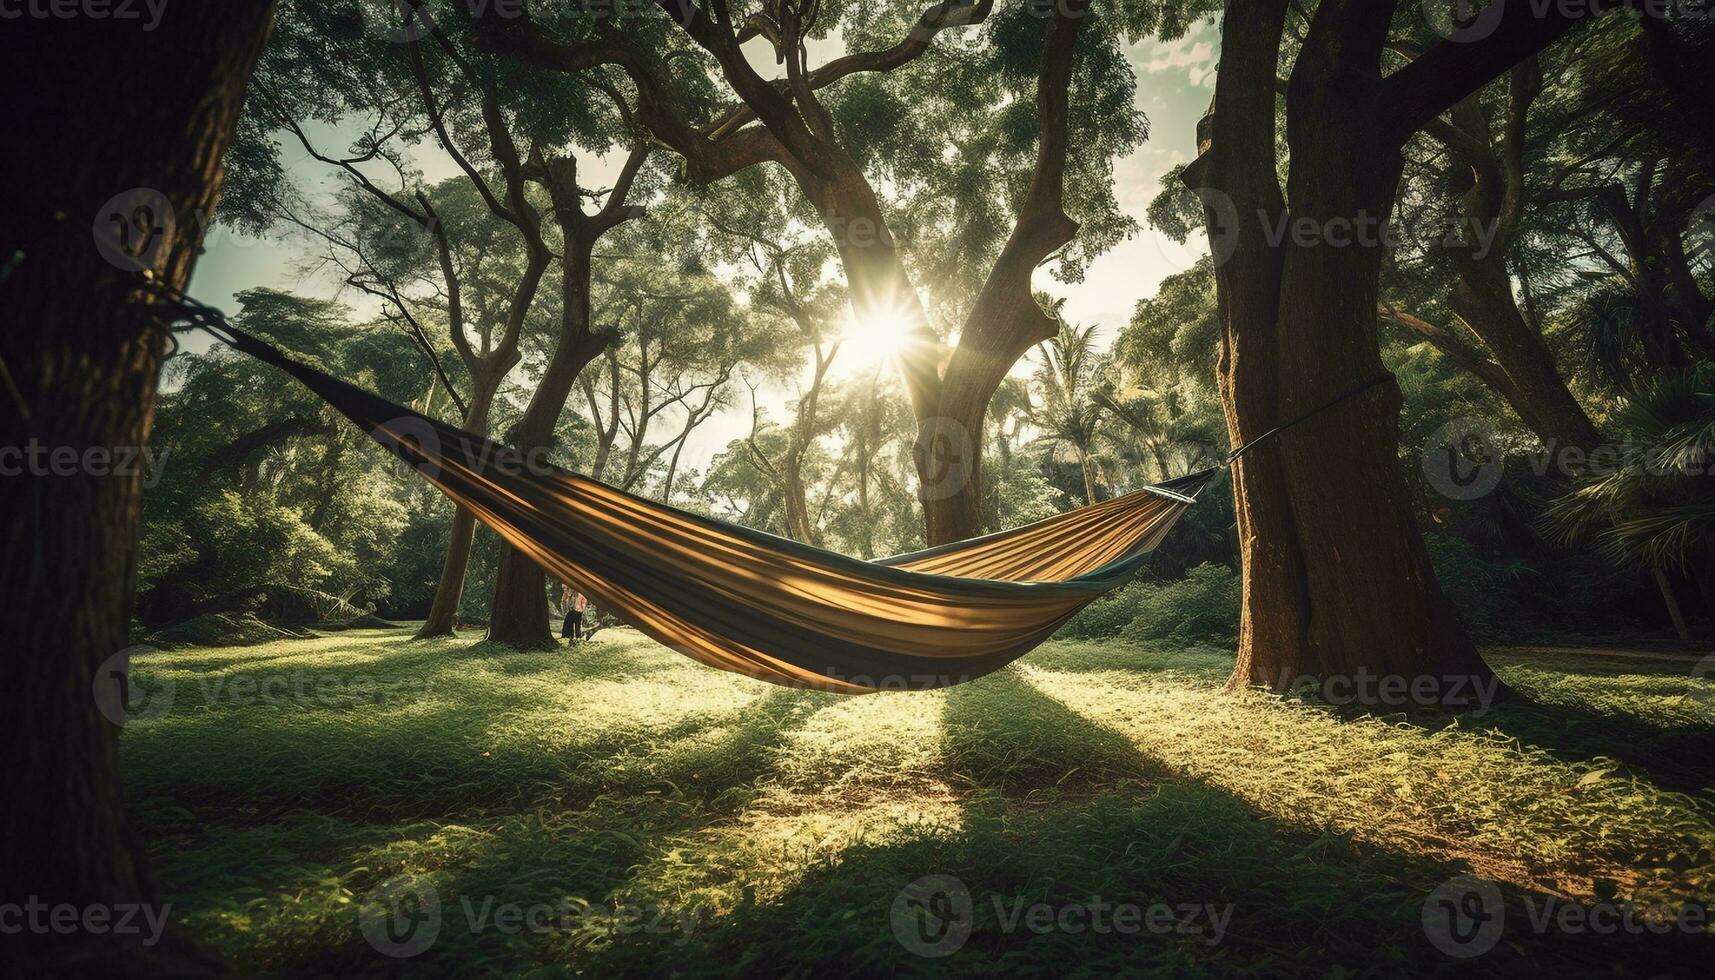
(617, 809)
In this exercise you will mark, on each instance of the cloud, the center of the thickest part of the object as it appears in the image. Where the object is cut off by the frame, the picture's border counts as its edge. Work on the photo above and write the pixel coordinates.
(1192, 56)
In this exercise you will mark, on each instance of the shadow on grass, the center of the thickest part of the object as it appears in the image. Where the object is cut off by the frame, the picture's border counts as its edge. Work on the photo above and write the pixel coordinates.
(1681, 760)
(1220, 889)
(1004, 735)
(1054, 808)
(482, 742)
(1646, 716)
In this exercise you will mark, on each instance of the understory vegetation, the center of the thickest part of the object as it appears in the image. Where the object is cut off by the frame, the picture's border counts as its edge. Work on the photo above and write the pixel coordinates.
(614, 808)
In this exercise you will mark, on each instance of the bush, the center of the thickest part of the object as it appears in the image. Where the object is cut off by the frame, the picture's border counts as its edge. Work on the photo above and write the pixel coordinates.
(1200, 609)
(1106, 616)
(1479, 589)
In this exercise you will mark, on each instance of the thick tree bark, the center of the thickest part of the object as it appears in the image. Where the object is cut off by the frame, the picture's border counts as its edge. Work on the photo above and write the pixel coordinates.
(104, 109)
(1274, 612)
(1337, 581)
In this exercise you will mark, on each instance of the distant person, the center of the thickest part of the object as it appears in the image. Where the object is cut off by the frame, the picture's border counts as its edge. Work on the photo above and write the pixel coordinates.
(572, 606)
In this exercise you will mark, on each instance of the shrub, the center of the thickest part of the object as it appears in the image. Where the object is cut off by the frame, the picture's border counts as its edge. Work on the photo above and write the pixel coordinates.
(1106, 616)
(1201, 608)
(1479, 589)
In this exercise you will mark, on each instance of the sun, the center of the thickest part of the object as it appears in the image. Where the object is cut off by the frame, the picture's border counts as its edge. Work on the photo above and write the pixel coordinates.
(874, 340)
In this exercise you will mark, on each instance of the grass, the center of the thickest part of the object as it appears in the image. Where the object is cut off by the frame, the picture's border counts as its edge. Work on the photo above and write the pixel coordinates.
(638, 813)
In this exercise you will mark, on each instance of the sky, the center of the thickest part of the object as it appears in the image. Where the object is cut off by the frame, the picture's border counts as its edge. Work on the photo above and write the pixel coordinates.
(1174, 83)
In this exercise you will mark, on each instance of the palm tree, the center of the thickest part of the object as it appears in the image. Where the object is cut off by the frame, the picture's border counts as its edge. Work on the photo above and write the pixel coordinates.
(1654, 506)
(1632, 336)
(1067, 378)
(1163, 424)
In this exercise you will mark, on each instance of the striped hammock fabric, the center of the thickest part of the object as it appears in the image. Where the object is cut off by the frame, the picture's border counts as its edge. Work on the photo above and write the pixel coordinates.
(767, 607)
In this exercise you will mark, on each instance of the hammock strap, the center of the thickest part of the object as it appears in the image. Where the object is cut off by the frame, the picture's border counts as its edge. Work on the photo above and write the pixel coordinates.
(195, 314)
(1343, 397)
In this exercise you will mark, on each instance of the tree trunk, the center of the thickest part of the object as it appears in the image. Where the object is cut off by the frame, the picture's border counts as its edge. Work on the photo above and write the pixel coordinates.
(449, 594)
(1373, 605)
(1665, 585)
(1337, 583)
(1005, 321)
(1483, 295)
(82, 354)
(792, 492)
(519, 614)
(1483, 299)
(950, 407)
(1089, 482)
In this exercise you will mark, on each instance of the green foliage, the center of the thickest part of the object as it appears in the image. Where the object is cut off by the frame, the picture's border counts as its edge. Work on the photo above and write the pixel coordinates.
(1198, 610)
(266, 486)
(1651, 503)
(1017, 496)
(1481, 590)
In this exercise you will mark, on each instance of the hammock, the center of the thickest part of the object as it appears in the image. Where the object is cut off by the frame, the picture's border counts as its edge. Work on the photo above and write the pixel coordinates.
(768, 607)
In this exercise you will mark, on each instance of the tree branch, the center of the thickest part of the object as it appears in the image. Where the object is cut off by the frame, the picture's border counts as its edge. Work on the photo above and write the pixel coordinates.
(934, 20)
(1452, 70)
(1444, 341)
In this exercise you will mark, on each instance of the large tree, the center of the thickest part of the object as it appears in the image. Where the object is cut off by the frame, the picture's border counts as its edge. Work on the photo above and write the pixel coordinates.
(1486, 157)
(330, 65)
(1008, 129)
(516, 141)
(1336, 576)
(126, 133)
